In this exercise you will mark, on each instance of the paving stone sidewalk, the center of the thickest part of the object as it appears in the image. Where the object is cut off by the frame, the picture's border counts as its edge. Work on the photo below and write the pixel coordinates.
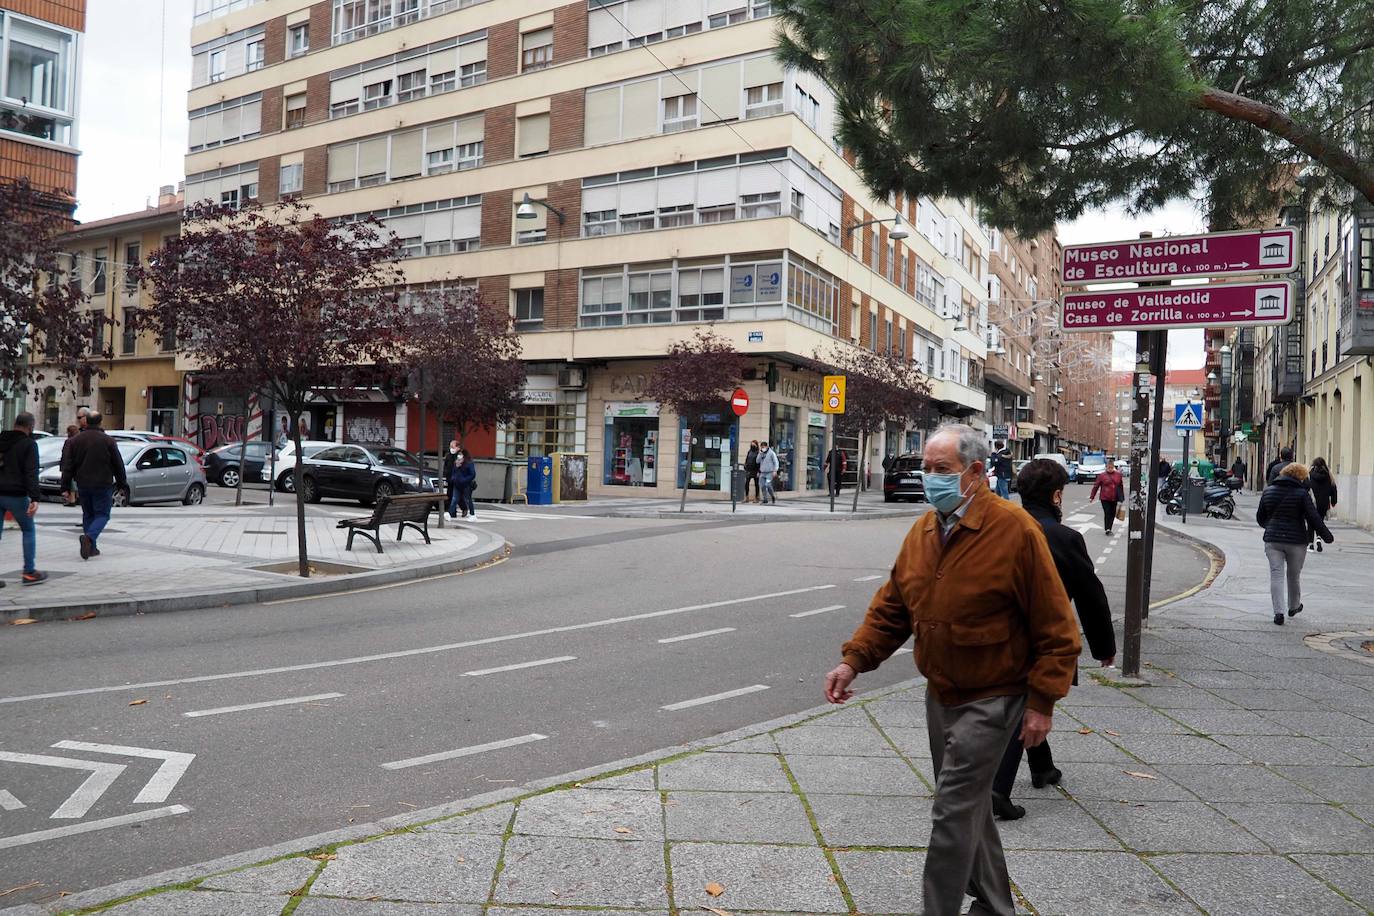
(177, 557)
(1240, 782)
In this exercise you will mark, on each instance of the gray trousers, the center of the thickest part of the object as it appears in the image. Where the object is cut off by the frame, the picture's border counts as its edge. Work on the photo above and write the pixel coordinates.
(967, 743)
(1285, 568)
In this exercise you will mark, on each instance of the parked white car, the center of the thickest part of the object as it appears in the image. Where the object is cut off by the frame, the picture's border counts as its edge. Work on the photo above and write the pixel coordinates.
(286, 463)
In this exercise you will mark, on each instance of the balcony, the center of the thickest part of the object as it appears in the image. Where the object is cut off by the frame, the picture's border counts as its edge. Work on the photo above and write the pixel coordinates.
(1211, 393)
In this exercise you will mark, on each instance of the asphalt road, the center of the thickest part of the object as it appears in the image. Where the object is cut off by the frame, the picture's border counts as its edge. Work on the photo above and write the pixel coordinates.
(609, 629)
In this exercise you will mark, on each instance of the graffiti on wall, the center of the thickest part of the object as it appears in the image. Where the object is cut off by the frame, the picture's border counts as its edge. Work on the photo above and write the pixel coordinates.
(220, 429)
(367, 431)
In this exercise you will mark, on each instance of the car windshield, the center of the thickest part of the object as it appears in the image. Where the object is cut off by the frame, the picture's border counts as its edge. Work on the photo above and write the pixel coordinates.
(1093, 463)
(395, 458)
(127, 450)
(906, 464)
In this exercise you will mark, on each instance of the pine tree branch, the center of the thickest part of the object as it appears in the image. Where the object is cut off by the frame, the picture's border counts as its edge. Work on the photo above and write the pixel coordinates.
(1324, 149)
(1334, 56)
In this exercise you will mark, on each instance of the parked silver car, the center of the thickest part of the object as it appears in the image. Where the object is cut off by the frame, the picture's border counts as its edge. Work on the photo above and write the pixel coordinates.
(157, 472)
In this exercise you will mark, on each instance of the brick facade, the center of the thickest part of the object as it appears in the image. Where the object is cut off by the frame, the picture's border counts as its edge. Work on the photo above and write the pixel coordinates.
(503, 50)
(560, 298)
(269, 179)
(317, 98)
(566, 196)
(316, 172)
(70, 14)
(846, 220)
(321, 26)
(275, 40)
(570, 33)
(498, 141)
(495, 292)
(566, 120)
(46, 169)
(497, 213)
(272, 103)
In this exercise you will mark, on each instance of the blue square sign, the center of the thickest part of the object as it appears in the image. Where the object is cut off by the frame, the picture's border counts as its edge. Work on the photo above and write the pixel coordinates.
(1188, 416)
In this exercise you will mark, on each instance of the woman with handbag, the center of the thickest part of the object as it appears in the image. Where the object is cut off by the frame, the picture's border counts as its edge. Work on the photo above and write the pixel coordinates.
(1289, 517)
(1110, 486)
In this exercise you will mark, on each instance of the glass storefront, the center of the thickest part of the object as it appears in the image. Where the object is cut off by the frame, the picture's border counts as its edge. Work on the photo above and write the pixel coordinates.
(705, 457)
(782, 437)
(541, 429)
(815, 450)
(631, 458)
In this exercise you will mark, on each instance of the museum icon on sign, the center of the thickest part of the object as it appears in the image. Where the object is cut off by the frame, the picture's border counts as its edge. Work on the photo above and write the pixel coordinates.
(1274, 250)
(1268, 304)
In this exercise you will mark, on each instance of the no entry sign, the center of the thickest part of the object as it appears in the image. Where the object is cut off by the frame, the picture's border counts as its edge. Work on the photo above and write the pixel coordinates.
(1216, 254)
(1169, 307)
(739, 402)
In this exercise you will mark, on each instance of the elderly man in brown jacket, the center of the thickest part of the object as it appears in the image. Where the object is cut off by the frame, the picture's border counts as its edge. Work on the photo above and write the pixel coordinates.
(996, 639)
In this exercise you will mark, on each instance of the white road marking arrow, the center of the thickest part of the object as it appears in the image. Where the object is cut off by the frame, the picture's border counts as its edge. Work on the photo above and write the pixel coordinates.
(88, 793)
(9, 802)
(1085, 527)
(175, 764)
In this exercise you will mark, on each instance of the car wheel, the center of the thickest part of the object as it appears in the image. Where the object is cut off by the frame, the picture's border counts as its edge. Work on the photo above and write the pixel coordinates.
(121, 498)
(310, 489)
(195, 495)
(229, 477)
(384, 488)
(286, 483)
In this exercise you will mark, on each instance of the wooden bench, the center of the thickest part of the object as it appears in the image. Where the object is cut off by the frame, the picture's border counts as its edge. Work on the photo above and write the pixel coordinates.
(412, 509)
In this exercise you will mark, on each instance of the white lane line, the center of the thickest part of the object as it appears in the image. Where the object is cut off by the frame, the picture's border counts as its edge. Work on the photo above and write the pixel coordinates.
(700, 635)
(289, 701)
(819, 610)
(409, 653)
(535, 664)
(1106, 550)
(87, 794)
(39, 836)
(700, 701)
(174, 766)
(867, 578)
(462, 752)
(1101, 559)
(8, 802)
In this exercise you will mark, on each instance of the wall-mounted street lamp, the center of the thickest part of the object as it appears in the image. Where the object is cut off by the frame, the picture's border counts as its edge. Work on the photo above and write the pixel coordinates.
(897, 232)
(526, 209)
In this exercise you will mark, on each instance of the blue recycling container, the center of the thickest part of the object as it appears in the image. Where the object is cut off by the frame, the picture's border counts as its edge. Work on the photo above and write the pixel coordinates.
(539, 483)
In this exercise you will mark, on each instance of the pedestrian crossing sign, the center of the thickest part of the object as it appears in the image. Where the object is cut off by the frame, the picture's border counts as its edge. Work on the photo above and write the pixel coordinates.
(1188, 416)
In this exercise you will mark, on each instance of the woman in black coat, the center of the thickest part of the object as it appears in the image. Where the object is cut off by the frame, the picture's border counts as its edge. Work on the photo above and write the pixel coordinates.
(1041, 485)
(1289, 517)
(1323, 487)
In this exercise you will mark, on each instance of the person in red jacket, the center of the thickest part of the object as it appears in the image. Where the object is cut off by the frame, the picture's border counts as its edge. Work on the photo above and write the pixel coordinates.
(1112, 489)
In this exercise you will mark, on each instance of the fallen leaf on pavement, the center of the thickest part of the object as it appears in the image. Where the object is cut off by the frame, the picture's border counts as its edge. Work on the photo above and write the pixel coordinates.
(139, 703)
(1085, 731)
(1139, 775)
(89, 615)
(1114, 734)
(623, 830)
(714, 889)
(21, 621)
(22, 887)
(711, 909)
(324, 857)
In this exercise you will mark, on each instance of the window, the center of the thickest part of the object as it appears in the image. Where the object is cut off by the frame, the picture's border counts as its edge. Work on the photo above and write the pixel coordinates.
(168, 343)
(298, 40)
(672, 217)
(602, 50)
(292, 179)
(598, 222)
(529, 306)
(469, 155)
(472, 74)
(295, 111)
(637, 222)
(678, 31)
(719, 213)
(529, 236)
(377, 95)
(99, 266)
(798, 204)
(603, 302)
(410, 86)
(132, 256)
(728, 18)
(217, 62)
(757, 206)
(97, 333)
(651, 298)
(536, 50)
(873, 330)
(701, 294)
(39, 72)
(256, 54)
(412, 247)
(679, 113)
(891, 271)
(532, 135)
(128, 335)
(439, 162)
(763, 101)
(807, 108)
(443, 82)
(345, 107)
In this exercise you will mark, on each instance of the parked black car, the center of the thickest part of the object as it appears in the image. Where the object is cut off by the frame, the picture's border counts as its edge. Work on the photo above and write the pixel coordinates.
(904, 480)
(363, 473)
(222, 464)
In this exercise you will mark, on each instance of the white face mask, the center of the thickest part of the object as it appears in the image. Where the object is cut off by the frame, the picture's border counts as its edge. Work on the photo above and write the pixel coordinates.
(452, 450)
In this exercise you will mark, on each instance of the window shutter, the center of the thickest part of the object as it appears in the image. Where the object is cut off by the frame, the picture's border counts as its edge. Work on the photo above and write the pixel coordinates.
(761, 71)
(759, 178)
(602, 118)
(716, 187)
(638, 196)
(473, 52)
(442, 61)
(197, 137)
(677, 190)
(405, 154)
(683, 12)
(639, 116)
(467, 223)
(343, 162)
(296, 102)
(250, 118)
(439, 137)
(720, 92)
(601, 198)
(643, 17)
(603, 29)
(342, 90)
(406, 227)
(470, 130)
(214, 127)
(533, 133)
(372, 156)
(438, 227)
(541, 38)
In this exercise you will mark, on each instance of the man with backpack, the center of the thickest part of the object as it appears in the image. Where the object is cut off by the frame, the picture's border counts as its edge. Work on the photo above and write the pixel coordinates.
(19, 493)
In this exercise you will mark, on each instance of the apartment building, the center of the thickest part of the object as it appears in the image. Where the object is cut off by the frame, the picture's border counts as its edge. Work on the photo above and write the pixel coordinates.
(616, 174)
(40, 73)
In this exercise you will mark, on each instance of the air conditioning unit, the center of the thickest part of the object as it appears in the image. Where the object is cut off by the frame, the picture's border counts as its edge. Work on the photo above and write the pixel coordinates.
(572, 377)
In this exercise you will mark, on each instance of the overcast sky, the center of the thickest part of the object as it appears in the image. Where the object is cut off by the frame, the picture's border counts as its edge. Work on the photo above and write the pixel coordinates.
(137, 70)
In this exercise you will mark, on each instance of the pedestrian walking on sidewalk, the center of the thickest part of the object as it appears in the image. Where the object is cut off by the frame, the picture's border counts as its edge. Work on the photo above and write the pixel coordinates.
(1323, 487)
(465, 479)
(1041, 485)
(450, 478)
(1238, 470)
(1001, 466)
(751, 471)
(976, 585)
(1289, 515)
(93, 462)
(768, 470)
(1110, 488)
(1276, 466)
(19, 493)
(836, 463)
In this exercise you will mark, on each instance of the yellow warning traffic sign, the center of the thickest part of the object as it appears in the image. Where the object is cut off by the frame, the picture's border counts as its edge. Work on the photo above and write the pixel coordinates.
(832, 394)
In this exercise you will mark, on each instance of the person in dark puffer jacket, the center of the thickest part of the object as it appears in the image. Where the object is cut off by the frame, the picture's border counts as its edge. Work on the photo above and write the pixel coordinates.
(1287, 512)
(1323, 487)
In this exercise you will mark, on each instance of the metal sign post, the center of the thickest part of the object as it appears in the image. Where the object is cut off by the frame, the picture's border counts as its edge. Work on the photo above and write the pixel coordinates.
(1159, 350)
(1135, 543)
(739, 403)
(832, 402)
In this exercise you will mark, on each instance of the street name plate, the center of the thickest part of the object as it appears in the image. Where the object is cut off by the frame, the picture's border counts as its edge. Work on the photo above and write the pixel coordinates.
(1167, 308)
(1216, 254)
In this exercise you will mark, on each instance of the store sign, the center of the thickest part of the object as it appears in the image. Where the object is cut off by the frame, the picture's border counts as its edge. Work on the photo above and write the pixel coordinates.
(629, 384)
(770, 286)
(798, 390)
(540, 396)
(814, 418)
(1000, 432)
(756, 337)
(621, 409)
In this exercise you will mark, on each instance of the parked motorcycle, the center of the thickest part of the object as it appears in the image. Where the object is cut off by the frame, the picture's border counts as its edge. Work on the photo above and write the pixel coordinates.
(1217, 502)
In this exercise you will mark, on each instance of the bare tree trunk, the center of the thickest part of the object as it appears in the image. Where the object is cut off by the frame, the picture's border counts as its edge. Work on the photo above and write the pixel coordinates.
(859, 477)
(686, 471)
(243, 456)
(302, 550)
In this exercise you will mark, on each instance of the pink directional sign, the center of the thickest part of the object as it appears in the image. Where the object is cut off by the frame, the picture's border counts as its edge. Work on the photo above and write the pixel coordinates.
(1169, 307)
(1217, 254)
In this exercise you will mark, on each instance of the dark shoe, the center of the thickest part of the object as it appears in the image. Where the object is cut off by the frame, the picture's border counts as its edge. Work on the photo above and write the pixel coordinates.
(453, 515)
(85, 547)
(1293, 612)
(33, 578)
(1319, 547)
(95, 551)
(1278, 620)
(1004, 810)
(1049, 777)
